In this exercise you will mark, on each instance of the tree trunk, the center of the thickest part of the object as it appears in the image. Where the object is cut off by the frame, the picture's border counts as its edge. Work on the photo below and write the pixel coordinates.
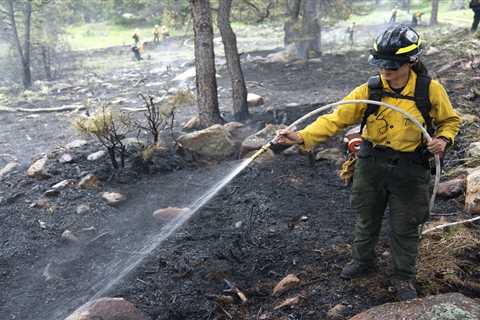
(291, 22)
(311, 40)
(434, 16)
(206, 82)
(239, 90)
(47, 63)
(23, 53)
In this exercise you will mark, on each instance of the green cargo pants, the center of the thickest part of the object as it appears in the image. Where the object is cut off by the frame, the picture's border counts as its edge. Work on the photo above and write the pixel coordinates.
(404, 186)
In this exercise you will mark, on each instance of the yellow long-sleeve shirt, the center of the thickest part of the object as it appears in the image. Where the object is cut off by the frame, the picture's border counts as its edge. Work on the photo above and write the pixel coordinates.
(388, 128)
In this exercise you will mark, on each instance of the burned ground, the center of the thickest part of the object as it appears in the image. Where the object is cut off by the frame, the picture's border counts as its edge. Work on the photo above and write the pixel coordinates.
(276, 218)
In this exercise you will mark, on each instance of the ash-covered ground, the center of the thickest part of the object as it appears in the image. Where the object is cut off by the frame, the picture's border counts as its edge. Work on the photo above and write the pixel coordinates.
(278, 217)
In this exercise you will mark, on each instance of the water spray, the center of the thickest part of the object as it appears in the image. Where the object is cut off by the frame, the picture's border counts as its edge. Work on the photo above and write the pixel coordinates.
(293, 126)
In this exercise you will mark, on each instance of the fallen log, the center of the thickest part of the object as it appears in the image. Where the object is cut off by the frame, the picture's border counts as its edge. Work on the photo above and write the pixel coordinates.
(43, 110)
(450, 224)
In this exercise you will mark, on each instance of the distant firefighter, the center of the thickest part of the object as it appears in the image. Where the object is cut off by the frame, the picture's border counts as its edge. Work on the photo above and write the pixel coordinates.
(393, 17)
(136, 37)
(156, 34)
(416, 18)
(475, 6)
(136, 53)
(351, 33)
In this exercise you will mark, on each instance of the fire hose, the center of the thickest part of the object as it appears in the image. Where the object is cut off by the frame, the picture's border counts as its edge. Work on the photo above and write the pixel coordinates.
(427, 136)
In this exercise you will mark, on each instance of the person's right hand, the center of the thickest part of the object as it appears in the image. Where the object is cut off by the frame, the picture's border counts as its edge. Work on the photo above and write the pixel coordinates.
(287, 136)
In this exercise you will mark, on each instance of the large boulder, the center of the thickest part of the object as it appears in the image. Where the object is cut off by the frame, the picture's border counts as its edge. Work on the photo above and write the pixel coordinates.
(451, 188)
(108, 309)
(472, 197)
(474, 150)
(214, 142)
(448, 306)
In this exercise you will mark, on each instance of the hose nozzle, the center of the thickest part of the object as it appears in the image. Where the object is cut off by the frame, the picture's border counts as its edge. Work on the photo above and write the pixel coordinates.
(261, 151)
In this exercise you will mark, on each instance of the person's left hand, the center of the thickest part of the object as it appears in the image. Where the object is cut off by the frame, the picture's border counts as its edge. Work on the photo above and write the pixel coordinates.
(437, 145)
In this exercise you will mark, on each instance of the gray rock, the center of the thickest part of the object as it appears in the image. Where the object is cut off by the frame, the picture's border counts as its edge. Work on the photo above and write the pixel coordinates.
(332, 154)
(68, 235)
(450, 306)
(37, 169)
(65, 158)
(62, 184)
(337, 312)
(254, 100)
(97, 155)
(89, 181)
(51, 193)
(472, 197)
(474, 150)
(108, 309)
(451, 188)
(76, 144)
(9, 167)
(113, 198)
(83, 208)
(214, 142)
(165, 215)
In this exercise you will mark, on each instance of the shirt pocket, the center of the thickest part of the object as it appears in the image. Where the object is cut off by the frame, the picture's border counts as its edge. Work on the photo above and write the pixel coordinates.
(411, 133)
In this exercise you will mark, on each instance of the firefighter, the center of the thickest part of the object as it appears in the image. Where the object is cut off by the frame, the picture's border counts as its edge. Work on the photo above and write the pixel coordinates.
(475, 6)
(136, 37)
(156, 35)
(392, 166)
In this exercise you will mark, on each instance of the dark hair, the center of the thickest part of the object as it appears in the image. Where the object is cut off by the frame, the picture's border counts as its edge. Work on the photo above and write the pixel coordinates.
(420, 69)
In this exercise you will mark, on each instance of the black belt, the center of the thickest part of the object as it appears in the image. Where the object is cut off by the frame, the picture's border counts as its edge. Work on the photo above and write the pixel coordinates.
(367, 149)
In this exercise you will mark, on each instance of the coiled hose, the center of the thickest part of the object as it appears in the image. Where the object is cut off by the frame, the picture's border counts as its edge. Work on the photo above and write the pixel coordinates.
(353, 102)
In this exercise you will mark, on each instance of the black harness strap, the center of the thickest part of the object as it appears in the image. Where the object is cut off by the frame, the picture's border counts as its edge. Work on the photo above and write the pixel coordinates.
(422, 101)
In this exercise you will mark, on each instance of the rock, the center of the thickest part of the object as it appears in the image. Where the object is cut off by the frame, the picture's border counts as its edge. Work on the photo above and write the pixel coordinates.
(432, 50)
(83, 208)
(337, 313)
(89, 181)
(165, 215)
(283, 56)
(37, 169)
(332, 154)
(468, 118)
(113, 198)
(9, 167)
(285, 284)
(254, 100)
(69, 236)
(62, 184)
(439, 307)
(108, 309)
(215, 142)
(287, 302)
(97, 155)
(65, 158)
(40, 203)
(474, 150)
(76, 144)
(238, 224)
(259, 139)
(51, 193)
(238, 131)
(472, 197)
(192, 124)
(451, 188)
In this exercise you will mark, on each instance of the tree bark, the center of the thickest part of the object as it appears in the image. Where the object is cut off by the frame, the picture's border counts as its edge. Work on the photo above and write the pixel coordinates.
(206, 82)
(293, 14)
(434, 16)
(311, 38)
(239, 90)
(23, 53)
